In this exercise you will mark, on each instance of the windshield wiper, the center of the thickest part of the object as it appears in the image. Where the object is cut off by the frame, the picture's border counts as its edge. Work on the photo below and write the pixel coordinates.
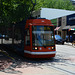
(41, 43)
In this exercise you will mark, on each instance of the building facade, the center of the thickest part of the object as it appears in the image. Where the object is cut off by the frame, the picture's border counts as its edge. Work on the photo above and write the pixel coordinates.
(67, 26)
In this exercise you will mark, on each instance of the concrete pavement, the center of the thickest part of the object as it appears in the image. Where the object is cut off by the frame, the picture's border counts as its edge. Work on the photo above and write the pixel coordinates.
(62, 64)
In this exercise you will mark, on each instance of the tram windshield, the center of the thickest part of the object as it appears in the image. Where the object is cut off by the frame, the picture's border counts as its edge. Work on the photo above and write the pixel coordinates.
(42, 35)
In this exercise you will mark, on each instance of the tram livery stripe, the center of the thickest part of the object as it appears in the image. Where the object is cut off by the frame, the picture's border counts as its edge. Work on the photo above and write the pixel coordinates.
(39, 53)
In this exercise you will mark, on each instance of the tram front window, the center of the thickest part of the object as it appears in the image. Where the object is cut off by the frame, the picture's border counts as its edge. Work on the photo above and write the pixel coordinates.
(42, 35)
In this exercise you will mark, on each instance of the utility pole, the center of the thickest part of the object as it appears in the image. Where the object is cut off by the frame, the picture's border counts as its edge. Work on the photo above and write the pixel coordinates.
(1, 19)
(13, 33)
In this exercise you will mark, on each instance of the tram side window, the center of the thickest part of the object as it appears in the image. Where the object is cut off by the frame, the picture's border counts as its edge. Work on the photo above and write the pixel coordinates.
(27, 37)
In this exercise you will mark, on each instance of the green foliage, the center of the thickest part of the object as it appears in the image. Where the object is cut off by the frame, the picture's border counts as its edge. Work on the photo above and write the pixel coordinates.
(58, 4)
(14, 10)
(54, 21)
(17, 10)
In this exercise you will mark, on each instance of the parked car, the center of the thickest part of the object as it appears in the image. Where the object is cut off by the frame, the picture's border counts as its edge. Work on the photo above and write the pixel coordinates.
(67, 38)
(59, 39)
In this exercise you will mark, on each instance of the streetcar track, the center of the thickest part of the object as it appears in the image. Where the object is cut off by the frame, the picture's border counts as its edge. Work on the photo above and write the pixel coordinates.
(56, 66)
(73, 65)
(65, 63)
(60, 69)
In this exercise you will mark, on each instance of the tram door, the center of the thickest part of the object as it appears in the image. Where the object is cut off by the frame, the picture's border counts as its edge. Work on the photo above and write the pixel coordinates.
(27, 41)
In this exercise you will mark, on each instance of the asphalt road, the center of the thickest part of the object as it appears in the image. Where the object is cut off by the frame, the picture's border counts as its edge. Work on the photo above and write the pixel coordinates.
(62, 64)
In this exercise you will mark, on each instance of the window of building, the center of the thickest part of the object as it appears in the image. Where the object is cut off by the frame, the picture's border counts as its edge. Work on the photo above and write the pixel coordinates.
(59, 21)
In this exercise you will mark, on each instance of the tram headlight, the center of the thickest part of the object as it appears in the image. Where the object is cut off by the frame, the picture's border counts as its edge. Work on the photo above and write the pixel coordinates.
(35, 48)
(53, 48)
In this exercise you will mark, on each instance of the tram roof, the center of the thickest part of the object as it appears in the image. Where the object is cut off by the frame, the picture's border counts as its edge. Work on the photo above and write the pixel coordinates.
(38, 21)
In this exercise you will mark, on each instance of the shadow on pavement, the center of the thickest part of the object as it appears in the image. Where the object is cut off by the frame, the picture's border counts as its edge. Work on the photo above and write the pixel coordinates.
(23, 62)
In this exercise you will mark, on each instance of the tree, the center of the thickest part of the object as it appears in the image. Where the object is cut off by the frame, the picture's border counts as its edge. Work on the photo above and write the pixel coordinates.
(14, 10)
(17, 10)
(58, 4)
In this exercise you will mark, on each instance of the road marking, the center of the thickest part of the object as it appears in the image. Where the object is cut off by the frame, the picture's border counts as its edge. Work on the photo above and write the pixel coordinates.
(7, 54)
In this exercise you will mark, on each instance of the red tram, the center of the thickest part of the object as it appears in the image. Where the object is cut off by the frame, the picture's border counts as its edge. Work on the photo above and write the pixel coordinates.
(39, 39)
(33, 38)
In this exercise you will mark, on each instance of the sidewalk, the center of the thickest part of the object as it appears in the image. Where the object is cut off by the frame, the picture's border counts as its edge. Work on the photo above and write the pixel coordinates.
(68, 43)
(40, 70)
(5, 61)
